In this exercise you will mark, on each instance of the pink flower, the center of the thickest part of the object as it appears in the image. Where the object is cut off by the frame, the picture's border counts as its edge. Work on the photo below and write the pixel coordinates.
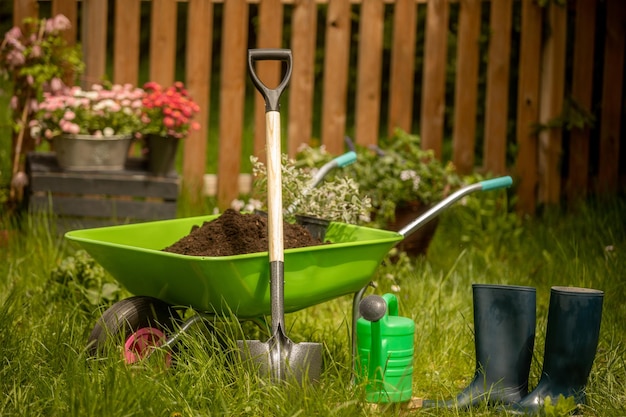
(13, 35)
(35, 52)
(56, 84)
(69, 115)
(57, 23)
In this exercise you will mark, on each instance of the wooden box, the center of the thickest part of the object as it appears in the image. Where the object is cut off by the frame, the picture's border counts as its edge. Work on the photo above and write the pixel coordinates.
(92, 199)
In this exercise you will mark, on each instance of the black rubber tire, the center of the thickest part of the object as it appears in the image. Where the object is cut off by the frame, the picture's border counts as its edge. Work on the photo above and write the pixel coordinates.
(128, 316)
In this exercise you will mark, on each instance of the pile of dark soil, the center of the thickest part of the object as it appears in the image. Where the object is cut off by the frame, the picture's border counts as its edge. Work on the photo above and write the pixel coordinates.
(234, 233)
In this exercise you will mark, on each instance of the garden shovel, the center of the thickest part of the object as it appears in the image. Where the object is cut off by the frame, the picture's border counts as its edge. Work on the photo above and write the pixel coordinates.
(279, 357)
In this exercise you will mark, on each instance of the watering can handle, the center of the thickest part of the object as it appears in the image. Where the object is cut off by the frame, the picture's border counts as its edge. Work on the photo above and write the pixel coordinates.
(392, 304)
(271, 96)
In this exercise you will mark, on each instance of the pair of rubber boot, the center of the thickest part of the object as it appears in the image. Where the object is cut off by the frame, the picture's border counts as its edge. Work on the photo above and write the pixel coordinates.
(504, 331)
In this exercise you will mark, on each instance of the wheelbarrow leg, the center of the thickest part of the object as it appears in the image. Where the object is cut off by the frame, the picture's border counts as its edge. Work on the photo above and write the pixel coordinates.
(355, 316)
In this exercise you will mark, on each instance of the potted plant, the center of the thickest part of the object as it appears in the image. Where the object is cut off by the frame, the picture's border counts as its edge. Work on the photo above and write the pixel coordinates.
(403, 180)
(336, 198)
(90, 129)
(34, 58)
(167, 118)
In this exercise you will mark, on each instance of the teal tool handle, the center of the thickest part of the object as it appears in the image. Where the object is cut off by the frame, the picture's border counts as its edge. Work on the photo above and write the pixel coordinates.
(495, 183)
(345, 159)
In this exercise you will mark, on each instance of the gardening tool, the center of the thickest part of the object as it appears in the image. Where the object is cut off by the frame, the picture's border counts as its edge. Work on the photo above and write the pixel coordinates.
(504, 336)
(572, 334)
(279, 357)
(385, 350)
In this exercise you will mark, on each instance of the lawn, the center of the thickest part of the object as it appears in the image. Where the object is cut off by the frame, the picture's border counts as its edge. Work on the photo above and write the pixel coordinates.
(48, 307)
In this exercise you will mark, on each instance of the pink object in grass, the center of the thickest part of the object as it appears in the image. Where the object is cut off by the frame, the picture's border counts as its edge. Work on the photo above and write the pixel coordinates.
(140, 344)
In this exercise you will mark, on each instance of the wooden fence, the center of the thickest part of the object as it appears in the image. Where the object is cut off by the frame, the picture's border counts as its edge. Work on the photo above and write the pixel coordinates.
(473, 78)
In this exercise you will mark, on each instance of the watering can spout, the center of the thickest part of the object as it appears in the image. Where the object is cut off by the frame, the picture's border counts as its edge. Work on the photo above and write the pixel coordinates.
(385, 350)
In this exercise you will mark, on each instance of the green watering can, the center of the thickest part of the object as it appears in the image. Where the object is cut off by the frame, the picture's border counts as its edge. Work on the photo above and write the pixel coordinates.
(384, 350)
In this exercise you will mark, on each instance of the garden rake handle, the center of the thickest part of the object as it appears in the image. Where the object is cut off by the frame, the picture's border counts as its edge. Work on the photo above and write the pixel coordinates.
(274, 180)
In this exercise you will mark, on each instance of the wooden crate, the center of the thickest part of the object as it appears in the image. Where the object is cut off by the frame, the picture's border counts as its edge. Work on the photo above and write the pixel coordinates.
(93, 199)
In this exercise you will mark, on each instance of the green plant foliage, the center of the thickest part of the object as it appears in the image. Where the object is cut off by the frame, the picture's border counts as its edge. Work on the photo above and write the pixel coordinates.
(564, 407)
(401, 171)
(336, 198)
(82, 278)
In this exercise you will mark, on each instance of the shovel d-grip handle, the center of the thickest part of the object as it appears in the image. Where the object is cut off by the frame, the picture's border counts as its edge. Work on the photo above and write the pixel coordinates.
(271, 96)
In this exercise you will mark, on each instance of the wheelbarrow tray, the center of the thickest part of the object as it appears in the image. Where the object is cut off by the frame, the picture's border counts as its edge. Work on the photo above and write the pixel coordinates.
(238, 284)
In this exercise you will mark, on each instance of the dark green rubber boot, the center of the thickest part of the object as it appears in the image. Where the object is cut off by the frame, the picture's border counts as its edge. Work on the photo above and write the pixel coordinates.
(572, 337)
(504, 337)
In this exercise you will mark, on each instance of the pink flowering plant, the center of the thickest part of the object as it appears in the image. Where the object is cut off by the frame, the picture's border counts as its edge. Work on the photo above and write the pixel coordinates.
(34, 58)
(168, 111)
(101, 111)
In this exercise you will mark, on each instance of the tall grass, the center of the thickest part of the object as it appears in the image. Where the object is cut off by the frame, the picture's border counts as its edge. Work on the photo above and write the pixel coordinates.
(43, 328)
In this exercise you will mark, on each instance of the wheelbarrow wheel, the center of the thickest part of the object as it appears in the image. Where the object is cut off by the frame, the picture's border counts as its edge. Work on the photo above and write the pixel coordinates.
(137, 325)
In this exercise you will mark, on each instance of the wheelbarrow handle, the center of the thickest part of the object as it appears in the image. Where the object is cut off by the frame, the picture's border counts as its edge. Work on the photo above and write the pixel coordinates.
(271, 96)
(487, 185)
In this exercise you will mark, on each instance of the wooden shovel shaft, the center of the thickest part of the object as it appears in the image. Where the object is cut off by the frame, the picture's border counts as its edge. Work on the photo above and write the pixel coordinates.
(274, 187)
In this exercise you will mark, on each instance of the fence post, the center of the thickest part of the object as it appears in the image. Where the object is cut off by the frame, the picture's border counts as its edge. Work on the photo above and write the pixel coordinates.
(69, 8)
(401, 83)
(270, 35)
(126, 41)
(466, 86)
(94, 40)
(368, 83)
(582, 88)
(434, 80)
(232, 95)
(497, 100)
(528, 107)
(336, 60)
(23, 9)
(198, 80)
(612, 84)
(551, 105)
(301, 87)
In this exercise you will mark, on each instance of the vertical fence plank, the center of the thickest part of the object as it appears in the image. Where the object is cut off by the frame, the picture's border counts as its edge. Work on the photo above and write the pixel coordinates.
(163, 41)
(434, 80)
(23, 9)
(126, 41)
(401, 83)
(336, 60)
(368, 83)
(69, 8)
(582, 88)
(496, 106)
(94, 29)
(301, 90)
(612, 87)
(466, 86)
(270, 36)
(528, 106)
(232, 96)
(551, 105)
(198, 80)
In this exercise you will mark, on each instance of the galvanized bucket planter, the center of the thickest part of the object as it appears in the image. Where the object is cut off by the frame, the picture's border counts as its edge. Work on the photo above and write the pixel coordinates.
(92, 153)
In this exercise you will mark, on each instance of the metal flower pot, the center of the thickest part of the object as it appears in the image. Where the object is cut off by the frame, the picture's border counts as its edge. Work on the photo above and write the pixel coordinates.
(161, 154)
(91, 153)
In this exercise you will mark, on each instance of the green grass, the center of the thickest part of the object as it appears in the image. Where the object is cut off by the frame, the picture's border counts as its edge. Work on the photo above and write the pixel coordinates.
(44, 324)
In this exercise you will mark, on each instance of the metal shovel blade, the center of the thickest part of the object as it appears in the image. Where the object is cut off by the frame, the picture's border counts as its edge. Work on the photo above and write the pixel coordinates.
(282, 360)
